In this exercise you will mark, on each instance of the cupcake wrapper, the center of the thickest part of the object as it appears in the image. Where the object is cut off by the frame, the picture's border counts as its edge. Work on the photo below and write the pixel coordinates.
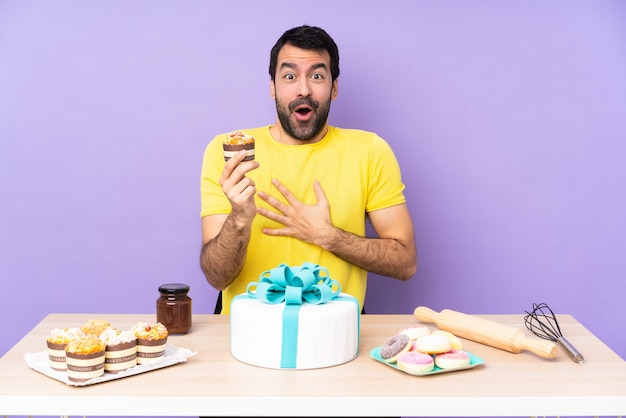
(120, 357)
(56, 355)
(82, 367)
(230, 150)
(150, 351)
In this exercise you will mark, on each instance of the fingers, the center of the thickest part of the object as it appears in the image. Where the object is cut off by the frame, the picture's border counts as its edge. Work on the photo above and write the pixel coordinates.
(275, 203)
(239, 188)
(282, 209)
(234, 180)
(284, 191)
(306, 222)
(290, 198)
(272, 215)
(320, 195)
(235, 169)
(241, 191)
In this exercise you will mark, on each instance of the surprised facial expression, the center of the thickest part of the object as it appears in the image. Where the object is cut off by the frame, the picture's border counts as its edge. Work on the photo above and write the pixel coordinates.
(303, 89)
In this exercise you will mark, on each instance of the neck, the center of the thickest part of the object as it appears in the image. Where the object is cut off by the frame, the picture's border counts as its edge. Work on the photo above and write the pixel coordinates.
(282, 137)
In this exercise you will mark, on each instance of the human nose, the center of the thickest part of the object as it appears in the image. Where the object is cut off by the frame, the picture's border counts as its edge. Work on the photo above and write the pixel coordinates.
(304, 89)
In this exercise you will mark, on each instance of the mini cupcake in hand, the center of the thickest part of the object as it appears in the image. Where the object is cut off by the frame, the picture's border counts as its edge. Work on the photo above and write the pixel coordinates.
(151, 340)
(237, 141)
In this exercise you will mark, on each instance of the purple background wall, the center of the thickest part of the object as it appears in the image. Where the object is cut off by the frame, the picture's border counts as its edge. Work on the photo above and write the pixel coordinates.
(508, 118)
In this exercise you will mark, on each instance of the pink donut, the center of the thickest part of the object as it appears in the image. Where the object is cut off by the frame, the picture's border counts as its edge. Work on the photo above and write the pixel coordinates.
(414, 362)
(394, 346)
(433, 344)
(452, 359)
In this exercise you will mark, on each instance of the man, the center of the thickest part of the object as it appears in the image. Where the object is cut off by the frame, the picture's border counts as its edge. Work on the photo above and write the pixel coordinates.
(306, 196)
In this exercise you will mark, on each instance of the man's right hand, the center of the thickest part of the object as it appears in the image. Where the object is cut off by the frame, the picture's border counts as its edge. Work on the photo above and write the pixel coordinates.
(225, 237)
(240, 189)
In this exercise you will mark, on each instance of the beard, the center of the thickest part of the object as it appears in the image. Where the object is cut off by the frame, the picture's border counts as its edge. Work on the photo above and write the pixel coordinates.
(303, 130)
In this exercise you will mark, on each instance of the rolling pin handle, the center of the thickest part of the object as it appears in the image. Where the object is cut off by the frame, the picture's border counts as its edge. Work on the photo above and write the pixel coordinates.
(424, 314)
(543, 348)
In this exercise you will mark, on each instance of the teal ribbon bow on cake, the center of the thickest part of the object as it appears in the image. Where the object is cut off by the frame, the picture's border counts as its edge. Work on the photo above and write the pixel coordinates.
(293, 285)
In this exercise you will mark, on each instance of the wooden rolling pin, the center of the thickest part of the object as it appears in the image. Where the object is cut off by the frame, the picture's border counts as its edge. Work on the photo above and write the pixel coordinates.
(486, 332)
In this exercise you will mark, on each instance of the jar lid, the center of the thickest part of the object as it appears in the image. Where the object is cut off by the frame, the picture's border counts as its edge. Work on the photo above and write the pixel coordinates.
(174, 288)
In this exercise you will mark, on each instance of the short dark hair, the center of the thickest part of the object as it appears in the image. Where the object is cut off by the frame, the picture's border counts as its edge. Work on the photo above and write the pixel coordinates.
(307, 37)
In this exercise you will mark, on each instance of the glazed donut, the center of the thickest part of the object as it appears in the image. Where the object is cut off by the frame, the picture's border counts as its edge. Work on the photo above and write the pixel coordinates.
(395, 346)
(414, 362)
(454, 340)
(416, 331)
(433, 344)
(452, 359)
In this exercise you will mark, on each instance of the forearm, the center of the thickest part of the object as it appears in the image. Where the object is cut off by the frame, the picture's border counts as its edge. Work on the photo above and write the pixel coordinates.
(385, 256)
(222, 258)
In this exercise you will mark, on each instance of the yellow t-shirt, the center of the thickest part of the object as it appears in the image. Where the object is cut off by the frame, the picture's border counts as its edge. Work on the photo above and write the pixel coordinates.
(358, 172)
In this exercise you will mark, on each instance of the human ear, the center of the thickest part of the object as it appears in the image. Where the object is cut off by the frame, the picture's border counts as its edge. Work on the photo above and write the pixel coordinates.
(334, 89)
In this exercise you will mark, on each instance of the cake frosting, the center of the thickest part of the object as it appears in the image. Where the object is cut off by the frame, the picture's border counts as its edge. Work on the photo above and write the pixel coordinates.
(113, 336)
(64, 335)
(95, 327)
(85, 345)
(148, 331)
(319, 328)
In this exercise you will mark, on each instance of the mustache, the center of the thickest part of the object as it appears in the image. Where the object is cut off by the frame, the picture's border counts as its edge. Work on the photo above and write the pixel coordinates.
(307, 101)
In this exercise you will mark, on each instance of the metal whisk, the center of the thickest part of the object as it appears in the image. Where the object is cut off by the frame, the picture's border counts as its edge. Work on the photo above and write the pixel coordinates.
(542, 322)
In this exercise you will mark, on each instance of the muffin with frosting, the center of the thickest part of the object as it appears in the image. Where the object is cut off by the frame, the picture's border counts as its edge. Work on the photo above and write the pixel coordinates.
(95, 327)
(56, 341)
(85, 358)
(236, 141)
(151, 340)
(121, 350)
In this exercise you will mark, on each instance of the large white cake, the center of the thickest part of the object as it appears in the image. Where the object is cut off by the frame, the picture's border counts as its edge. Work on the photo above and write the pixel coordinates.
(321, 335)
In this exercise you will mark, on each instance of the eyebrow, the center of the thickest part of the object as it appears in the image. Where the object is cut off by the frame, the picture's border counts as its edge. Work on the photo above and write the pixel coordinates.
(313, 67)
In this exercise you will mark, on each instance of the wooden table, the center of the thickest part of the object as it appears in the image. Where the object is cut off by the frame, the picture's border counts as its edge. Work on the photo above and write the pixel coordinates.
(213, 383)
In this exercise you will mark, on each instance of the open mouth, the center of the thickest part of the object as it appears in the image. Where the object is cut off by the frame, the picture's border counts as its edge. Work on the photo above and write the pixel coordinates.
(303, 108)
(303, 112)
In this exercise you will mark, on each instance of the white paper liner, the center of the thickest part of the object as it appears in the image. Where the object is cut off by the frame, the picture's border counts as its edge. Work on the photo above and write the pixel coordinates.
(40, 362)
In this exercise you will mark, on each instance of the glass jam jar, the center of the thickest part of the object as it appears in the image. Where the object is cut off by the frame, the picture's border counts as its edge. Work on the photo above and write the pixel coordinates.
(174, 307)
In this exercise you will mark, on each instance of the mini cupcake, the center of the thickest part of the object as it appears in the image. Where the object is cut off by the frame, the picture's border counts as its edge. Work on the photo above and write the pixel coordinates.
(121, 350)
(85, 358)
(237, 141)
(151, 340)
(95, 327)
(56, 341)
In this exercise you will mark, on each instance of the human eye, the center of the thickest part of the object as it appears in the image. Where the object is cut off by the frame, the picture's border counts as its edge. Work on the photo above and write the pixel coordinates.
(289, 76)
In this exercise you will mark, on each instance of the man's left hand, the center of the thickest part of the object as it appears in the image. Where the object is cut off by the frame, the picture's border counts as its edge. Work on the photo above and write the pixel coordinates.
(309, 223)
